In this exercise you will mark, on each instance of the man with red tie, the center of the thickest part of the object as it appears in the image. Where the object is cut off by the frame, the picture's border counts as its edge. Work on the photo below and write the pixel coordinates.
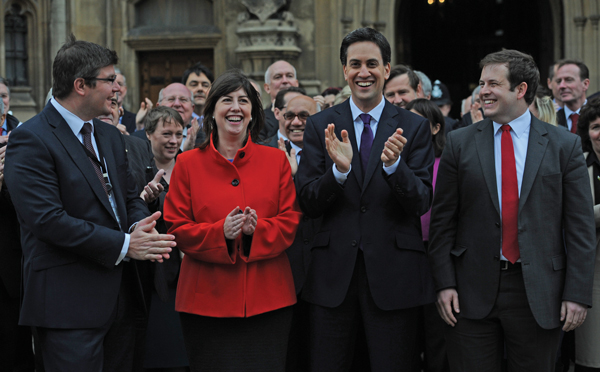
(572, 81)
(512, 235)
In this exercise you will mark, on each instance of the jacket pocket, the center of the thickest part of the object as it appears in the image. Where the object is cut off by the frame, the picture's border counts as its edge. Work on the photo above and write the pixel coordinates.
(458, 250)
(321, 240)
(409, 241)
(559, 262)
(47, 261)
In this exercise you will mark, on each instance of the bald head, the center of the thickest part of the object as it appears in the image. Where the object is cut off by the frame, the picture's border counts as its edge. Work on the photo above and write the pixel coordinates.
(279, 75)
(178, 97)
(298, 110)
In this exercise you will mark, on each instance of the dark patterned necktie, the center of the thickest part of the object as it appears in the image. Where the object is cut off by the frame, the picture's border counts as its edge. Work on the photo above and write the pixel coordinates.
(366, 142)
(86, 132)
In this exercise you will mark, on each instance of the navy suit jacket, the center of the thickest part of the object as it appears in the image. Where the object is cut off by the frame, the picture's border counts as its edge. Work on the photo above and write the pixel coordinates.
(377, 212)
(70, 237)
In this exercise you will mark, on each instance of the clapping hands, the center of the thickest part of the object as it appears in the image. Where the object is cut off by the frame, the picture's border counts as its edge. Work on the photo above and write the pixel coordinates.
(238, 221)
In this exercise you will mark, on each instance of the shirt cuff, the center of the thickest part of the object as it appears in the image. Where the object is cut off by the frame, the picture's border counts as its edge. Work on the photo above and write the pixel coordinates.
(392, 168)
(124, 250)
(339, 176)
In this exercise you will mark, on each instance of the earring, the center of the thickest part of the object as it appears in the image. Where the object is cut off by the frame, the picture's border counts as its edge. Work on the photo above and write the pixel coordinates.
(250, 118)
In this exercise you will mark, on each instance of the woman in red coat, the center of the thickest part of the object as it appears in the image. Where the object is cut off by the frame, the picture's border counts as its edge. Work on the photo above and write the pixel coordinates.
(232, 208)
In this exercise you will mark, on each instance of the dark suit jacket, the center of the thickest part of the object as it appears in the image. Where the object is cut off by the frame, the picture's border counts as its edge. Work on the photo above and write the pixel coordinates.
(128, 120)
(465, 232)
(70, 237)
(271, 124)
(299, 252)
(381, 213)
(139, 155)
(561, 118)
(10, 248)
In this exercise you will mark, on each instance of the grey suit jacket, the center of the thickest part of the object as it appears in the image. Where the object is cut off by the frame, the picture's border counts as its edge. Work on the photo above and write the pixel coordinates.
(556, 222)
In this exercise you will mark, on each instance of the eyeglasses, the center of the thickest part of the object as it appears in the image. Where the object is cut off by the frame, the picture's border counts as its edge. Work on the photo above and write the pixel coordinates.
(182, 100)
(290, 116)
(108, 79)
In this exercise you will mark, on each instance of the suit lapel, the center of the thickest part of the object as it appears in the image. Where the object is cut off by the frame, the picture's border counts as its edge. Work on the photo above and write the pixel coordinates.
(484, 143)
(385, 128)
(347, 122)
(75, 150)
(536, 148)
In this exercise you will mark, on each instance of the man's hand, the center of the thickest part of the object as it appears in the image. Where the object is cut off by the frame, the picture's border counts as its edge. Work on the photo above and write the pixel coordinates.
(339, 151)
(153, 189)
(145, 106)
(147, 244)
(573, 314)
(291, 157)
(192, 132)
(233, 223)
(320, 100)
(393, 148)
(250, 223)
(122, 129)
(447, 302)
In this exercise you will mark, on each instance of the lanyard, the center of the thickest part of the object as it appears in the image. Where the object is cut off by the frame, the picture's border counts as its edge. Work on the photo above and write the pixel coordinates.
(102, 165)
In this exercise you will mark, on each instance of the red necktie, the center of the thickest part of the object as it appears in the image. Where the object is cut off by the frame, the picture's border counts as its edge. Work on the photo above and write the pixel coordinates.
(574, 119)
(510, 198)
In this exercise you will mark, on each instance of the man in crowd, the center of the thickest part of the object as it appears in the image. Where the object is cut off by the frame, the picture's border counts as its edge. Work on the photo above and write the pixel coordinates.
(9, 122)
(558, 103)
(83, 225)
(402, 86)
(179, 98)
(279, 75)
(127, 118)
(368, 264)
(572, 80)
(426, 86)
(280, 106)
(198, 79)
(511, 254)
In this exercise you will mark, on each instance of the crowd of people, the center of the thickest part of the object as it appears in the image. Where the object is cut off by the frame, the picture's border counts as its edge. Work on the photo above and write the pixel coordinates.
(362, 229)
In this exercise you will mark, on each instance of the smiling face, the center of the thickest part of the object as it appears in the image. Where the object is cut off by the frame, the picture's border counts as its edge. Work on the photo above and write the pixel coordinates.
(5, 97)
(179, 98)
(399, 92)
(282, 75)
(570, 86)
(199, 86)
(298, 110)
(594, 133)
(232, 114)
(113, 117)
(366, 73)
(99, 97)
(500, 103)
(166, 140)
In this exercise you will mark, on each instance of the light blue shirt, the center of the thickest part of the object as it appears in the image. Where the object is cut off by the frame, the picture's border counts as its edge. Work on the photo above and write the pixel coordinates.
(297, 148)
(359, 126)
(4, 128)
(76, 124)
(519, 132)
(568, 113)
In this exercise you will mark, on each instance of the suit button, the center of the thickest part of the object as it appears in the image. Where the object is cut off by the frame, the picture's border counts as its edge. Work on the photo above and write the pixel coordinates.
(305, 241)
(242, 154)
(498, 224)
(363, 209)
(354, 243)
(235, 182)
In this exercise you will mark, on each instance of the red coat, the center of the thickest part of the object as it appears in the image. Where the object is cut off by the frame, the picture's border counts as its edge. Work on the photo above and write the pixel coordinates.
(205, 187)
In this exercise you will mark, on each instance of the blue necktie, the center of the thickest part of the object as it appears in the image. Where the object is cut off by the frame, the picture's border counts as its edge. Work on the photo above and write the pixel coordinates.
(366, 142)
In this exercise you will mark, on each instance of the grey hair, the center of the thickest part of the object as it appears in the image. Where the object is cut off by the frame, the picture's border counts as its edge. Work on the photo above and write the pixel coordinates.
(118, 72)
(475, 93)
(268, 75)
(1, 107)
(425, 83)
(160, 96)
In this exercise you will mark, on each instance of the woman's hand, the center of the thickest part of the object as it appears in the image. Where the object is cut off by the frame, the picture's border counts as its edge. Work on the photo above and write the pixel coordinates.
(153, 189)
(250, 221)
(233, 223)
(291, 157)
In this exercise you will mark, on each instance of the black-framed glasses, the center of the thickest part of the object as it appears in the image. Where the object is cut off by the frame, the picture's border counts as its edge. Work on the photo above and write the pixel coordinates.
(108, 79)
(290, 116)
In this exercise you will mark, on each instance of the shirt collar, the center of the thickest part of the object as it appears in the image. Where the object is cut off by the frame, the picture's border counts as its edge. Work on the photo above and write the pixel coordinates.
(280, 135)
(568, 111)
(73, 121)
(591, 159)
(519, 125)
(375, 113)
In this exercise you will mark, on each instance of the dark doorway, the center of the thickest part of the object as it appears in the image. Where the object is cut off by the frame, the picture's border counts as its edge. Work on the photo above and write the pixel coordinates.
(161, 68)
(446, 40)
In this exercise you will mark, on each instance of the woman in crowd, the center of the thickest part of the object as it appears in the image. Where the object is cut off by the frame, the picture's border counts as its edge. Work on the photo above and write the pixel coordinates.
(433, 330)
(165, 350)
(232, 208)
(542, 107)
(587, 337)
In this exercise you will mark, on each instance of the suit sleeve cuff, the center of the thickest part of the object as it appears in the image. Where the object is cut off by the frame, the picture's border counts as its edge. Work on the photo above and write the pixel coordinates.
(392, 168)
(339, 176)
(124, 250)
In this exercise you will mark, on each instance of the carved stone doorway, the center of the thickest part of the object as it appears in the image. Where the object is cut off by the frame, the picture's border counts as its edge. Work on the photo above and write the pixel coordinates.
(161, 68)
